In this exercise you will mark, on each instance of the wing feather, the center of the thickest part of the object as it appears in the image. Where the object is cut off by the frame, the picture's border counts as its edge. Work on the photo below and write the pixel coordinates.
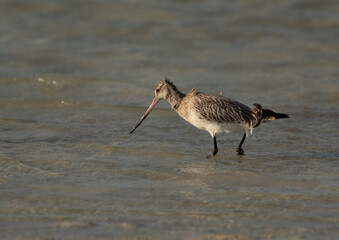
(223, 110)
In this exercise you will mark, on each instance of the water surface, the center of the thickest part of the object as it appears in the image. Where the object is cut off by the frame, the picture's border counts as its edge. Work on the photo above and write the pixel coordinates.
(76, 76)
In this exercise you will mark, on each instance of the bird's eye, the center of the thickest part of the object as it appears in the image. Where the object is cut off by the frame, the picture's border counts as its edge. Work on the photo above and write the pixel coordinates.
(157, 90)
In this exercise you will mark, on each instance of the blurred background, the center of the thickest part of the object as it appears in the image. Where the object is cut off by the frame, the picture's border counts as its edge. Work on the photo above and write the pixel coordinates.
(76, 76)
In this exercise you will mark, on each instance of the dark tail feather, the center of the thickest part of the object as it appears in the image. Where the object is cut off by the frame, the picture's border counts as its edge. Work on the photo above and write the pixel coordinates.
(263, 115)
(268, 114)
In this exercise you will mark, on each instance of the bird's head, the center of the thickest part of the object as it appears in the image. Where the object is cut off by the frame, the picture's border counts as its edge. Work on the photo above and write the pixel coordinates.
(162, 90)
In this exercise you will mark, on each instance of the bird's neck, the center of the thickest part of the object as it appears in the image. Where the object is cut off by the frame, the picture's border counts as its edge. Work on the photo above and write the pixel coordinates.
(174, 98)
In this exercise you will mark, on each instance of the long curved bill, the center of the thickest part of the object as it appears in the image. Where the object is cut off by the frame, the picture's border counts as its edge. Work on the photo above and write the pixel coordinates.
(154, 102)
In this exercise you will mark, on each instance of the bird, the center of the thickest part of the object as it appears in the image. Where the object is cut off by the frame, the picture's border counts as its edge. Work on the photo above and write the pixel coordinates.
(212, 113)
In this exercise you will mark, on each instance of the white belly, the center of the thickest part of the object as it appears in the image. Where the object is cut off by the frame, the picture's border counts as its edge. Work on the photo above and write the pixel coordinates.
(211, 126)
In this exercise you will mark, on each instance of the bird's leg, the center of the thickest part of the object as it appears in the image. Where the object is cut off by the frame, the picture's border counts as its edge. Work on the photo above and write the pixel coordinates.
(239, 150)
(215, 148)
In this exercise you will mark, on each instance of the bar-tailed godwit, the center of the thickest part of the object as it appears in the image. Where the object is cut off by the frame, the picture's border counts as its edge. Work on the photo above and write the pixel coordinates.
(212, 113)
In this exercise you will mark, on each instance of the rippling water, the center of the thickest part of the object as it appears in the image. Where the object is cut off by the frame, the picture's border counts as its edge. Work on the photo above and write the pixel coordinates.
(76, 76)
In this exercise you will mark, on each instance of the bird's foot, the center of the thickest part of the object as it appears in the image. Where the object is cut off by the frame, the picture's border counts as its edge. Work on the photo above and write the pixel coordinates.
(210, 155)
(240, 151)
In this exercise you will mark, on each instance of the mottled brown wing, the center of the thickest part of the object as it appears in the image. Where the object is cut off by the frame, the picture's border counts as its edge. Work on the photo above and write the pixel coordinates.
(223, 110)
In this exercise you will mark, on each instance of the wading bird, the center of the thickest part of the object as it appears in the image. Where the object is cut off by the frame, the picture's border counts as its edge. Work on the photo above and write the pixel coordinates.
(212, 113)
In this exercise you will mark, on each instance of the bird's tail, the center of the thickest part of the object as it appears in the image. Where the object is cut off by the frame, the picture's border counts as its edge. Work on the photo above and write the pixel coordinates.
(264, 115)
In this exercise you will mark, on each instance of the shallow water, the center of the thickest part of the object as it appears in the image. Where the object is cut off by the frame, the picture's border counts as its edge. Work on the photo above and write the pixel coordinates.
(76, 77)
